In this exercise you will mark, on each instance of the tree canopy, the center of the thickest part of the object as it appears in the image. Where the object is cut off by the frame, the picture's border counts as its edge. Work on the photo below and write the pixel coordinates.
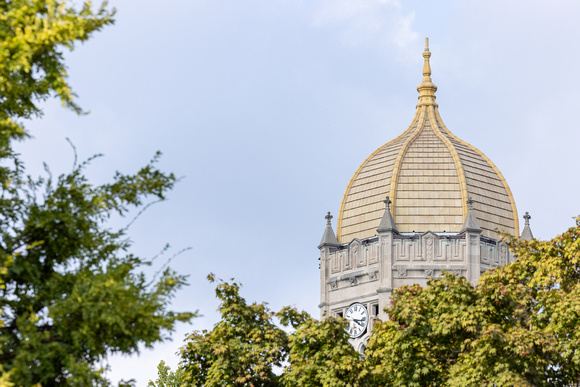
(166, 377)
(33, 37)
(241, 350)
(517, 326)
(319, 353)
(247, 347)
(72, 292)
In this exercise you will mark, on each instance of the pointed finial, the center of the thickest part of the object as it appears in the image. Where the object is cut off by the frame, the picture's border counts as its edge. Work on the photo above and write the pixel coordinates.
(328, 217)
(328, 238)
(527, 218)
(527, 234)
(387, 223)
(470, 224)
(387, 202)
(470, 202)
(427, 89)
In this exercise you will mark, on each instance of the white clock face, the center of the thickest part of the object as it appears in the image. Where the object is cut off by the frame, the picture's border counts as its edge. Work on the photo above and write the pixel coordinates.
(358, 318)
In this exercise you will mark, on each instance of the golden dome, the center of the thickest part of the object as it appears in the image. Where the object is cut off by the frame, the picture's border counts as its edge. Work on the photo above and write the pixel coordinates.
(429, 174)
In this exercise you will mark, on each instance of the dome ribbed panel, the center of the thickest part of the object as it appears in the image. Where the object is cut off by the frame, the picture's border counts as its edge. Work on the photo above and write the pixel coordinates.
(493, 207)
(433, 168)
(363, 207)
(428, 195)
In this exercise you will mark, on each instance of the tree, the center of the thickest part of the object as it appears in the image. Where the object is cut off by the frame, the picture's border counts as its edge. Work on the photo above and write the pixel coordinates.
(167, 378)
(33, 34)
(246, 346)
(424, 335)
(516, 327)
(72, 293)
(319, 352)
(241, 350)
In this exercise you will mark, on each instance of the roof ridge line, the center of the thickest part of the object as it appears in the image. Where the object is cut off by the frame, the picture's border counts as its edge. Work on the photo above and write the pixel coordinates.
(401, 156)
(364, 163)
(456, 160)
(493, 166)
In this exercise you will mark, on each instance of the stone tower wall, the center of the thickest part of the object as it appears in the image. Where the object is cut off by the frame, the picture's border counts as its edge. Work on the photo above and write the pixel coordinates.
(367, 271)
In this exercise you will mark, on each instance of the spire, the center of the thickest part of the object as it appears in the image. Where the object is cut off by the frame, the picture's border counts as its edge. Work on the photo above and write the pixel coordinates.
(387, 223)
(527, 233)
(328, 238)
(427, 89)
(471, 223)
(427, 66)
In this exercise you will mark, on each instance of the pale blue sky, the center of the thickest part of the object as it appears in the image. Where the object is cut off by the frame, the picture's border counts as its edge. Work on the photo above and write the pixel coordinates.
(267, 108)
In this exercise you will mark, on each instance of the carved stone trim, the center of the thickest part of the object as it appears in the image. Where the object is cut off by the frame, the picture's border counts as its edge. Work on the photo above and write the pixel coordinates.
(503, 258)
(429, 273)
(374, 253)
(335, 259)
(430, 253)
(384, 290)
(402, 272)
(355, 277)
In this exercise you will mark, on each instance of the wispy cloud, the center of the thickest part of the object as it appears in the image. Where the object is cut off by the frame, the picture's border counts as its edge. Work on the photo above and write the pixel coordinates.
(369, 22)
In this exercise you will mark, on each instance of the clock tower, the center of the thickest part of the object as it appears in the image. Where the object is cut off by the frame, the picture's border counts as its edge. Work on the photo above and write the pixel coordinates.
(422, 203)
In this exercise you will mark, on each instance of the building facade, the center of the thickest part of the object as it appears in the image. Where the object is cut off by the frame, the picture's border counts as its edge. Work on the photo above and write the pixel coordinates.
(422, 203)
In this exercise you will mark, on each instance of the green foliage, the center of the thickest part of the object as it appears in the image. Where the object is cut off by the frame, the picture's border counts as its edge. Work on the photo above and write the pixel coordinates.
(320, 354)
(33, 35)
(5, 378)
(245, 345)
(242, 348)
(424, 335)
(71, 291)
(534, 308)
(516, 327)
(167, 378)
(73, 294)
